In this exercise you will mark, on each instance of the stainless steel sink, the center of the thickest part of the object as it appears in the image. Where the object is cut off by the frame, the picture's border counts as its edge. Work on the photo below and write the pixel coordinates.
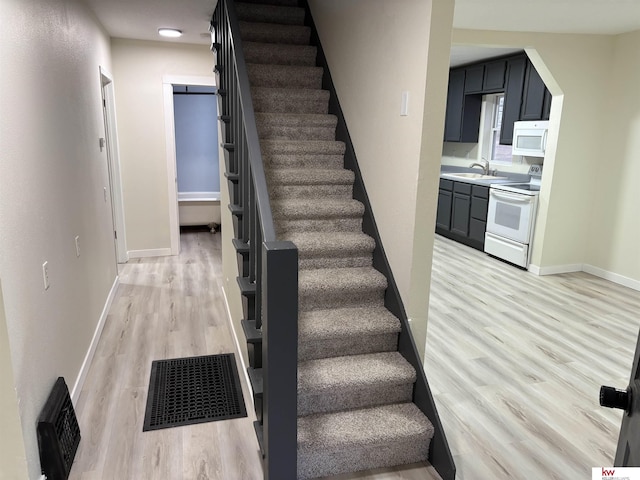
(475, 176)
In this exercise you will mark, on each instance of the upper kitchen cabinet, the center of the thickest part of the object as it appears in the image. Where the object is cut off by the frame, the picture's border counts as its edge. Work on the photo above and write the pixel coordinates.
(474, 78)
(494, 76)
(525, 96)
(512, 97)
(536, 99)
(462, 121)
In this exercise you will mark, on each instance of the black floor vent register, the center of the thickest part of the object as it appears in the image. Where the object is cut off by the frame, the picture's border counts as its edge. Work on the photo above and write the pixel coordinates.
(185, 391)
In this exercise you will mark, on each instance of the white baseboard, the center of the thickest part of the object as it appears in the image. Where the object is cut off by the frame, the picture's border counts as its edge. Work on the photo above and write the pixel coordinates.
(77, 387)
(238, 350)
(555, 269)
(612, 277)
(152, 252)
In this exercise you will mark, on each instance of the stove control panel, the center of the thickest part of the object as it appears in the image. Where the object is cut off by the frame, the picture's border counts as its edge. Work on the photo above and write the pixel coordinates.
(535, 171)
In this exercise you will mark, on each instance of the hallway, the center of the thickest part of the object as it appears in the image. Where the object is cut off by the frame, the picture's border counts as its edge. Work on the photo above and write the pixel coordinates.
(166, 307)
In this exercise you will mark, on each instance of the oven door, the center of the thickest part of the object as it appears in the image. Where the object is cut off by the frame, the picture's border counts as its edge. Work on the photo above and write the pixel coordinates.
(511, 215)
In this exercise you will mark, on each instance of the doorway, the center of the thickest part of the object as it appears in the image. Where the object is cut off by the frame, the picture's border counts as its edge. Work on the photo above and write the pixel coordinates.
(169, 82)
(110, 144)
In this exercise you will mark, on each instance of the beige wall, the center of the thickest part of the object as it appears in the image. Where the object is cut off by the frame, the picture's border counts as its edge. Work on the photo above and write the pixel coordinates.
(13, 461)
(576, 69)
(615, 225)
(51, 189)
(376, 50)
(138, 69)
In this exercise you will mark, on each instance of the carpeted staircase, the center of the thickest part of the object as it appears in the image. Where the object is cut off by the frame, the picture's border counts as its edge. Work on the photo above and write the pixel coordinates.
(354, 389)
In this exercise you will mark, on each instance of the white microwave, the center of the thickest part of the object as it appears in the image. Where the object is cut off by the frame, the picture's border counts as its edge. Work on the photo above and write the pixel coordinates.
(530, 138)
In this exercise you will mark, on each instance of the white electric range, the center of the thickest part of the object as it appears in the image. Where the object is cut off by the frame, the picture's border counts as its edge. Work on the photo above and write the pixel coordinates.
(511, 219)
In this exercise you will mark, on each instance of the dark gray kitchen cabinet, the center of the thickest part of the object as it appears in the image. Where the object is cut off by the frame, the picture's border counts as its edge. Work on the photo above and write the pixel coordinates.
(461, 208)
(445, 198)
(462, 212)
(455, 103)
(474, 79)
(478, 215)
(462, 121)
(546, 106)
(514, 84)
(494, 76)
(533, 95)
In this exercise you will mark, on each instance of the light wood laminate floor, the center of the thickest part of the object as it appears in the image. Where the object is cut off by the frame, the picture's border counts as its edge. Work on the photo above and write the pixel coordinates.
(170, 307)
(515, 362)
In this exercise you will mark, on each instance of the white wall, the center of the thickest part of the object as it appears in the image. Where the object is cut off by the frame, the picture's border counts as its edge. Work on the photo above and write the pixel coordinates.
(138, 69)
(615, 226)
(376, 50)
(51, 189)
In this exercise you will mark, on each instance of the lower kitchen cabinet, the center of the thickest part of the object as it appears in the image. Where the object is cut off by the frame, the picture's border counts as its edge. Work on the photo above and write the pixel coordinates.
(462, 212)
(461, 208)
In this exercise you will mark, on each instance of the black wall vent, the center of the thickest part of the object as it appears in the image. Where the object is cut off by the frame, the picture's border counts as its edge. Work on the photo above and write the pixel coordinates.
(58, 433)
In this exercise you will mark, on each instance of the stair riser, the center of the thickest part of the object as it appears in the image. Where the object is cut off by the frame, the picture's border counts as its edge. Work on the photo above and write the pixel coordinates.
(313, 349)
(335, 261)
(339, 298)
(313, 463)
(284, 3)
(264, 14)
(336, 400)
(269, 78)
(285, 161)
(322, 225)
(302, 56)
(264, 33)
(312, 191)
(301, 148)
(275, 132)
(290, 104)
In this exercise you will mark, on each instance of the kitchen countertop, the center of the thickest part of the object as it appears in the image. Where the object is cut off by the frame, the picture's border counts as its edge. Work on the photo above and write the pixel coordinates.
(448, 172)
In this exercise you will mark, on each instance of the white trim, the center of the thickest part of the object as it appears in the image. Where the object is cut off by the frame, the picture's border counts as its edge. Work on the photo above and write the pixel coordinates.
(172, 174)
(168, 81)
(555, 269)
(198, 196)
(151, 252)
(113, 157)
(612, 277)
(84, 369)
(238, 350)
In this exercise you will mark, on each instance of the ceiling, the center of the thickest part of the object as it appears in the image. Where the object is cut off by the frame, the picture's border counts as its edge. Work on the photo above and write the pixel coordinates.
(140, 19)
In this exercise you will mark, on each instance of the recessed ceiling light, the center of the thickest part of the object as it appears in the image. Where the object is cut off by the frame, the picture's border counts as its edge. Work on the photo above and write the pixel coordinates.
(169, 32)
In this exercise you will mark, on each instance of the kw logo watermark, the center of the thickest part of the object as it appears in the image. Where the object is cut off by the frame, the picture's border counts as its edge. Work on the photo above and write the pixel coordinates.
(615, 473)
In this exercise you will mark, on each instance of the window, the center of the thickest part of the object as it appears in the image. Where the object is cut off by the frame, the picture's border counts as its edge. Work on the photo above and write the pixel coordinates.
(492, 150)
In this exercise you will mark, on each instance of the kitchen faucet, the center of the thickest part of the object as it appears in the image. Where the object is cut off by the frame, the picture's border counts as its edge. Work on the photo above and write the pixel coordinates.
(484, 166)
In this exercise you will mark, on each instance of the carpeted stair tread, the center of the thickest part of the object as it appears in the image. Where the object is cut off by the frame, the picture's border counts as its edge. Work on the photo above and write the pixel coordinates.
(356, 381)
(290, 100)
(281, 76)
(279, 54)
(255, 12)
(304, 209)
(334, 443)
(332, 250)
(356, 371)
(302, 160)
(332, 324)
(274, 33)
(287, 126)
(311, 177)
(298, 119)
(315, 147)
(325, 288)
